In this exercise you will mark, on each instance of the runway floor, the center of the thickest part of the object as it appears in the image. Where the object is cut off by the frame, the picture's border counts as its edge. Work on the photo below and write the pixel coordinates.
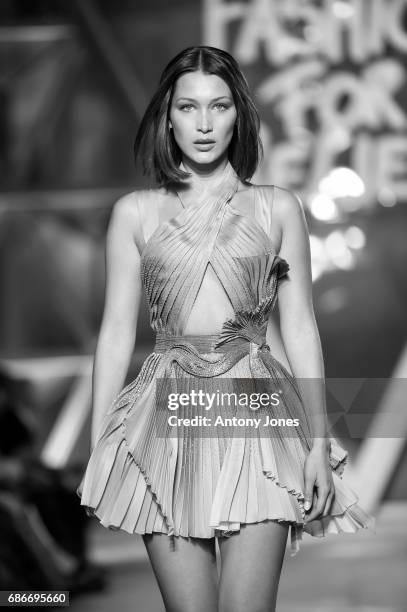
(363, 572)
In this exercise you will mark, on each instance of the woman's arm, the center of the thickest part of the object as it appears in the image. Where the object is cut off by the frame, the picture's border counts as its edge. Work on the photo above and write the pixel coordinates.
(297, 320)
(302, 342)
(122, 299)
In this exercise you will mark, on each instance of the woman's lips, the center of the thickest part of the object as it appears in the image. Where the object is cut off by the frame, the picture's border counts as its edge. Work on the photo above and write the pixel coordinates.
(205, 145)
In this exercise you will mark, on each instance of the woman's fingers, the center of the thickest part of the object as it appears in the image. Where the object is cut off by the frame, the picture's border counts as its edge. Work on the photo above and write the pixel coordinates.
(309, 491)
(319, 506)
(329, 501)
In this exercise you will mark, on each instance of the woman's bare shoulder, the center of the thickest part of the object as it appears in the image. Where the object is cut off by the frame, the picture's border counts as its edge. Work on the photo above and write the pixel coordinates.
(284, 202)
(147, 198)
(139, 195)
(131, 204)
(279, 192)
(149, 192)
(128, 214)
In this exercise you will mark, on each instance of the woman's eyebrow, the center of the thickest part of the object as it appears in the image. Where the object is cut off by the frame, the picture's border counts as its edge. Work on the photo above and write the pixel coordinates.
(213, 100)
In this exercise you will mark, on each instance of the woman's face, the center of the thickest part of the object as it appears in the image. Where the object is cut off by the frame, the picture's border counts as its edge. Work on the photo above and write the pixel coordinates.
(202, 117)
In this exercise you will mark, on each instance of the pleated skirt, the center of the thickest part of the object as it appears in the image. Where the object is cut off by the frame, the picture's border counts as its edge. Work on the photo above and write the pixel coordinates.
(195, 483)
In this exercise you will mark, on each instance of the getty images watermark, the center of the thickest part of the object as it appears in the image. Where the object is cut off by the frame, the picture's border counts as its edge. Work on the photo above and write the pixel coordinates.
(236, 406)
(214, 400)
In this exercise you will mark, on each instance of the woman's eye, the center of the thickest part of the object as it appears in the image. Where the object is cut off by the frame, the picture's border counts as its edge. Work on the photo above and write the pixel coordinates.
(219, 106)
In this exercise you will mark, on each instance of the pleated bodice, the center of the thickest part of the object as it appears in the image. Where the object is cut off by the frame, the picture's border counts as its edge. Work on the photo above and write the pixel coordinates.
(210, 232)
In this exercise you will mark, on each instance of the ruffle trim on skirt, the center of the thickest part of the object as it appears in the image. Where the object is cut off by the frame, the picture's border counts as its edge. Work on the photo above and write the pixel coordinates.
(203, 487)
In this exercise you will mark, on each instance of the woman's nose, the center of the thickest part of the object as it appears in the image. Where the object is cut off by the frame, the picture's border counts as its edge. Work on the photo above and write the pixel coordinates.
(205, 122)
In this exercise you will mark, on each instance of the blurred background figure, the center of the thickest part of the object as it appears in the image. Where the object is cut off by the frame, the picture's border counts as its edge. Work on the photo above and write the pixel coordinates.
(42, 529)
(331, 87)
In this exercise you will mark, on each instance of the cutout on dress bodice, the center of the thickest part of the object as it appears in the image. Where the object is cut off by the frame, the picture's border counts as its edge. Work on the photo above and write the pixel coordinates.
(211, 307)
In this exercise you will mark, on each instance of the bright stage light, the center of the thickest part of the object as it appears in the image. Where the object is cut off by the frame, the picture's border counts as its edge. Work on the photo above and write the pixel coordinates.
(355, 237)
(343, 10)
(342, 182)
(323, 207)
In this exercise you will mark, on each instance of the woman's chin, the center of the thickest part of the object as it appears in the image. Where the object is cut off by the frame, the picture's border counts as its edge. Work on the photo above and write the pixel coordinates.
(207, 158)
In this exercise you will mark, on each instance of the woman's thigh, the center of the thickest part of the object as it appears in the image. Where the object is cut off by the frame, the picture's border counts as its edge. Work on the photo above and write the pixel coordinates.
(251, 565)
(185, 569)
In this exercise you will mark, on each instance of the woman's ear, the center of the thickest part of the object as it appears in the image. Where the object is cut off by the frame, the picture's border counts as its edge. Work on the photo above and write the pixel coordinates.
(170, 124)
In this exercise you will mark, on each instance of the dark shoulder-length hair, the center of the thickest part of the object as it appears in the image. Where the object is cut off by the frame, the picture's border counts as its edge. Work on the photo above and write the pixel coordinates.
(155, 142)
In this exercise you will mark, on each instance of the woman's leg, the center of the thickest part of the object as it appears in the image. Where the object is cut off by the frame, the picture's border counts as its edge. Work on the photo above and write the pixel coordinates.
(186, 572)
(251, 565)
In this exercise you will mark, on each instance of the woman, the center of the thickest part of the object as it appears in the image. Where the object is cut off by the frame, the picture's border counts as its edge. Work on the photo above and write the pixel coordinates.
(204, 246)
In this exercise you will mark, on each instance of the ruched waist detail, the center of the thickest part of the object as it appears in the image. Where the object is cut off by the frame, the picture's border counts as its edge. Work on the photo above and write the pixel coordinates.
(207, 343)
(202, 343)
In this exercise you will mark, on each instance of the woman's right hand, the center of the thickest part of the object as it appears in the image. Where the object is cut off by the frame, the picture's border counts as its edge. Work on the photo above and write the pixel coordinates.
(318, 475)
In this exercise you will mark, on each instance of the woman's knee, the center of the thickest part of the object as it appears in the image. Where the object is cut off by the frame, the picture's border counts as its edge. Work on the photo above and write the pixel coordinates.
(191, 607)
(256, 597)
(233, 605)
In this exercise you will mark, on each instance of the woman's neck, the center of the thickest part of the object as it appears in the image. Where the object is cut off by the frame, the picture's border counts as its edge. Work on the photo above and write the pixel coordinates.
(205, 185)
(201, 176)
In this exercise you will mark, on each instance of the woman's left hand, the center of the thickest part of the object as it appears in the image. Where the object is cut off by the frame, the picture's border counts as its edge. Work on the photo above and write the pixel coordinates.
(318, 474)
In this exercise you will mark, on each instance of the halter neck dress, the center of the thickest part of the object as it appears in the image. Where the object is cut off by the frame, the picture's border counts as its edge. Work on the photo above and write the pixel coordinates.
(144, 478)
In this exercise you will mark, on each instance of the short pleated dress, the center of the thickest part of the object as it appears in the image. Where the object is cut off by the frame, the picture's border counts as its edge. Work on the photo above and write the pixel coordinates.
(146, 475)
